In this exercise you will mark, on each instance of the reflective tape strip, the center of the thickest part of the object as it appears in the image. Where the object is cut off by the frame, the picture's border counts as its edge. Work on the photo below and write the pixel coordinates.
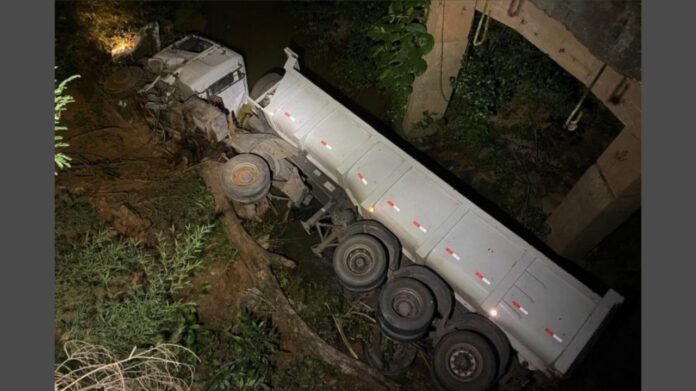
(519, 307)
(419, 226)
(554, 335)
(362, 178)
(324, 143)
(393, 205)
(452, 253)
(482, 278)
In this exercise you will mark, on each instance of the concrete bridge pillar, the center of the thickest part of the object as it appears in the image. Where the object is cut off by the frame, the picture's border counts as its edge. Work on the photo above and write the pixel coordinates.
(449, 22)
(600, 201)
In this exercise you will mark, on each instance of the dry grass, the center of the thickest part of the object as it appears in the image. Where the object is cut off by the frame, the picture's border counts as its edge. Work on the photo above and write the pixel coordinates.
(92, 367)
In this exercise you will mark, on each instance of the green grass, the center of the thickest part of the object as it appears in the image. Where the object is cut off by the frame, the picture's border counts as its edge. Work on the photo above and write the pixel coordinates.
(317, 300)
(74, 217)
(183, 199)
(239, 358)
(305, 373)
(114, 293)
(218, 248)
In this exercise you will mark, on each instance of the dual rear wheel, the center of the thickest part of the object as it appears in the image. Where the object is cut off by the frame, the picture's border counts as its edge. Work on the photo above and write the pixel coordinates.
(405, 309)
(360, 263)
(464, 360)
(407, 305)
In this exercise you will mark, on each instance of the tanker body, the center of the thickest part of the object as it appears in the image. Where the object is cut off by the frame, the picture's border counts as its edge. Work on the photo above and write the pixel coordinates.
(547, 315)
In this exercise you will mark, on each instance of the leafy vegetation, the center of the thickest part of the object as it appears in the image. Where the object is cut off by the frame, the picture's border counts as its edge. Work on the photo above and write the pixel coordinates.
(388, 57)
(114, 293)
(401, 41)
(336, 30)
(74, 218)
(305, 373)
(316, 297)
(182, 199)
(60, 104)
(239, 358)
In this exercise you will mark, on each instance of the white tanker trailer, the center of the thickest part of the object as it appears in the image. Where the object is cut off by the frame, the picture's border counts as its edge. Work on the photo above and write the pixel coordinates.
(448, 274)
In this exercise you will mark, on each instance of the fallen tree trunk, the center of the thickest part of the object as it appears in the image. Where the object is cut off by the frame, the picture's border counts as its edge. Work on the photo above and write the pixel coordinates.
(258, 261)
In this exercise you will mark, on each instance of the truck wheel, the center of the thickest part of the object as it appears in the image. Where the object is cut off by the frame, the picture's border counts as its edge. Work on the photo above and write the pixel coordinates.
(405, 309)
(480, 325)
(444, 298)
(263, 84)
(246, 178)
(463, 360)
(360, 263)
(376, 229)
(124, 81)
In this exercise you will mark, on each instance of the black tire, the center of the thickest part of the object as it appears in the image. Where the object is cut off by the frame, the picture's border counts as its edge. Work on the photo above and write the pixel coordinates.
(246, 178)
(444, 297)
(464, 361)
(124, 82)
(263, 84)
(481, 325)
(376, 229)
(360, 263)
(405, 309)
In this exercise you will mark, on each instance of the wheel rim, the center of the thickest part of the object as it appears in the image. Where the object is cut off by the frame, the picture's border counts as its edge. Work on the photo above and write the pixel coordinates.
(360, 260)
(407, 304)
(244, 174)
(464, 362)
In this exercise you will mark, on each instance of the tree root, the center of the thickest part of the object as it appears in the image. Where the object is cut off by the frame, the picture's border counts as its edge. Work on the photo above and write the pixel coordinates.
(258, 261)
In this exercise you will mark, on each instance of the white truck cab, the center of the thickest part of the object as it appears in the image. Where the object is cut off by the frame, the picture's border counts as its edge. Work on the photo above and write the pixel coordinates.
(203, 68)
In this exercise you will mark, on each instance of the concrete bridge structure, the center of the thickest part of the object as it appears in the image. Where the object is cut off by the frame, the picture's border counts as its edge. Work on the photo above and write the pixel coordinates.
(581, 36)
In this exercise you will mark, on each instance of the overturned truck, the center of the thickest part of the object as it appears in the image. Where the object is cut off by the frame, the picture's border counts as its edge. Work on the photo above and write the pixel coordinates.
(447, 274)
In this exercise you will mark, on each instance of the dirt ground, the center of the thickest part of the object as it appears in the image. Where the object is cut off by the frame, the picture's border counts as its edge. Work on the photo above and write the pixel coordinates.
(131, 175)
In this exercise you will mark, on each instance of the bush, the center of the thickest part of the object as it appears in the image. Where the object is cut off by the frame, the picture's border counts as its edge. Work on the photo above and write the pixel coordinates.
(400, 42)
(336, 30)
(113, 293)
(239, 358)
